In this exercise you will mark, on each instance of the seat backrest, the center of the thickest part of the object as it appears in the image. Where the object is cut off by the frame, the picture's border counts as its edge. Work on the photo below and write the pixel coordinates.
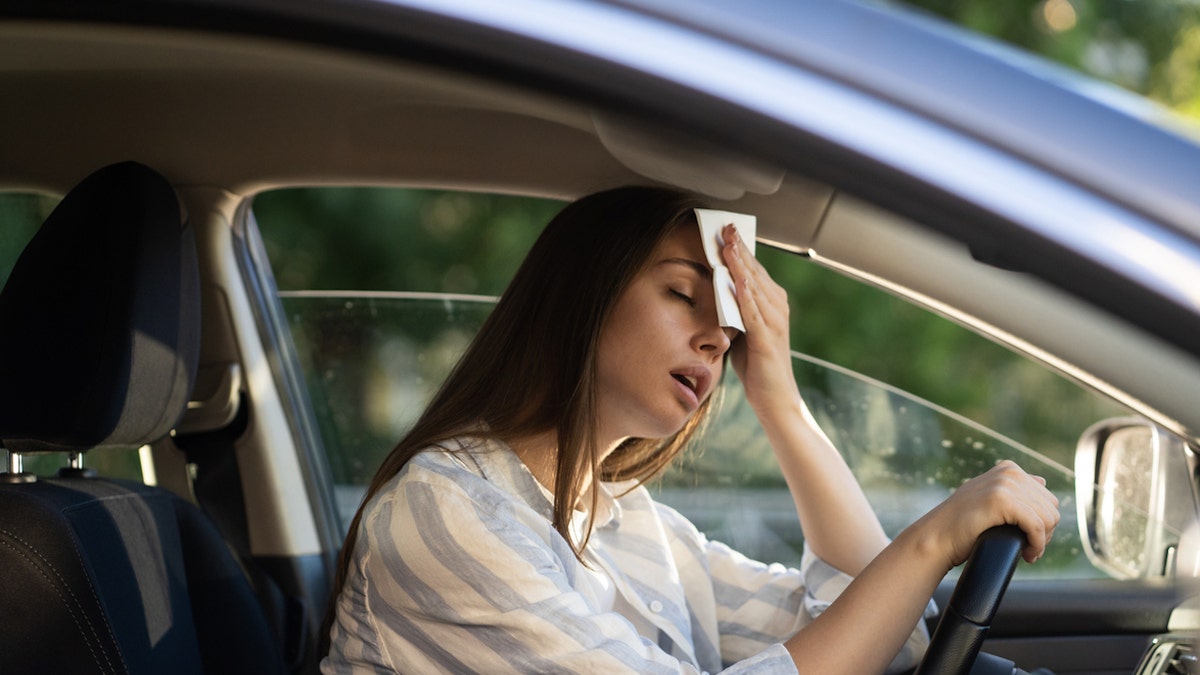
(99, 340)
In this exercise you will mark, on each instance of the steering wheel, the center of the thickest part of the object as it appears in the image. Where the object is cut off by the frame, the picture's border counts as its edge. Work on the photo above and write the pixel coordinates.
(965, 622)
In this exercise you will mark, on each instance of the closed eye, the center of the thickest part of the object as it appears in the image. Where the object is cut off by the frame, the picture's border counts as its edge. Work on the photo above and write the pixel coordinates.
(684, 297)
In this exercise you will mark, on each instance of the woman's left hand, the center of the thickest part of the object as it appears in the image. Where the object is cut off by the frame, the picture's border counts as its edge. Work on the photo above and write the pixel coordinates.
(762, 356)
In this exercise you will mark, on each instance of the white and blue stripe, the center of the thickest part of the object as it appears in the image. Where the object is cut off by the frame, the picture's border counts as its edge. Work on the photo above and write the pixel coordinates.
(457, 569)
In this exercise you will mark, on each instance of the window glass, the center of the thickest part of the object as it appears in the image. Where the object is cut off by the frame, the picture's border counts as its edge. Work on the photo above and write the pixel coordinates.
(371, 362)
(21, 214)
(916, 403)
(387, 240)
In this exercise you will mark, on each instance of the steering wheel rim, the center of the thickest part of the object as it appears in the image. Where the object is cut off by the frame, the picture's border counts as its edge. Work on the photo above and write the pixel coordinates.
(964, 624)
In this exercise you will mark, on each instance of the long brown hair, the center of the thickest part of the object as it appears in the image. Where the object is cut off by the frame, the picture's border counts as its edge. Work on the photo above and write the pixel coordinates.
(532, 366)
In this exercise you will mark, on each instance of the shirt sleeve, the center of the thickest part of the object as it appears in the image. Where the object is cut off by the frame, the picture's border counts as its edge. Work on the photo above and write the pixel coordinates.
(826, 583)
(451, 576)
(758, 605)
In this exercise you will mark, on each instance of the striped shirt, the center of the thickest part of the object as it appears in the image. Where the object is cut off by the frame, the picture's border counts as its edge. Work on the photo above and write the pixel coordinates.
(457, 569)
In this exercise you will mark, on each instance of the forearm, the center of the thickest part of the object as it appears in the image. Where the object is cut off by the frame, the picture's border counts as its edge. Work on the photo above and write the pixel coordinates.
(871, 620)
(838, 522)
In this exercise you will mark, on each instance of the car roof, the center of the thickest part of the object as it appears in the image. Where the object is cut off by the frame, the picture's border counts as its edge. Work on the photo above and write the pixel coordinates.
(739, 100)
(1024, 105)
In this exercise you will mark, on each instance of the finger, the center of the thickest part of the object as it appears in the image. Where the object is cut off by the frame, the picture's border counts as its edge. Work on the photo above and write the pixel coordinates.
(745, 283)
(742, 265)
(733, 241)
(1038, 513)
(747, 299)
(1051, 516)
(1016, 498)
(752, 280)
(1044, 502)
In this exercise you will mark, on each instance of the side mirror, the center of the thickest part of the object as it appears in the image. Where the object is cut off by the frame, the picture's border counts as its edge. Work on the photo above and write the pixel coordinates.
(1134, 489)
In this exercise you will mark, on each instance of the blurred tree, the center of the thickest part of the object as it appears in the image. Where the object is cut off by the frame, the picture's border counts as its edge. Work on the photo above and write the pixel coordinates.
(387, 239)
(21, 215)
(1150, 47)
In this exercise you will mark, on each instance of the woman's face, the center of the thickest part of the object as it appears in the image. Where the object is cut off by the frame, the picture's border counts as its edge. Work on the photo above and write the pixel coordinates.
(661, 351)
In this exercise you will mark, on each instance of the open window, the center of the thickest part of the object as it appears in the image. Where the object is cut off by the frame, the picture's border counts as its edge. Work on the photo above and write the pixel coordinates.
(382, 289)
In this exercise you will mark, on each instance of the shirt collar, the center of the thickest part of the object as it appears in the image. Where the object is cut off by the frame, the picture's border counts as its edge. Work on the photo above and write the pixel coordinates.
(498, 464)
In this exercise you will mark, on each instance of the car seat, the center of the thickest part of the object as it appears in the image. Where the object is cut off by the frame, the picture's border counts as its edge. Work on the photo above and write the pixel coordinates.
(99, 341)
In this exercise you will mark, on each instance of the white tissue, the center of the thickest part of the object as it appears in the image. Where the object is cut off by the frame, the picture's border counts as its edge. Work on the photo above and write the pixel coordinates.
(711, 223)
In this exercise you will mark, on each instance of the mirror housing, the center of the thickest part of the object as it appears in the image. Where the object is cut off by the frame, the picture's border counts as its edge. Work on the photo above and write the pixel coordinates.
(1136, 500)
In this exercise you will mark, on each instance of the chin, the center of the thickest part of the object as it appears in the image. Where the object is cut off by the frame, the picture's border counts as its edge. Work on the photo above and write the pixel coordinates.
(667, 429)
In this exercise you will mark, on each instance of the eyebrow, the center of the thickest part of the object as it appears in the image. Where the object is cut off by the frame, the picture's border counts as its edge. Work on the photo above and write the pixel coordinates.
(698, 267)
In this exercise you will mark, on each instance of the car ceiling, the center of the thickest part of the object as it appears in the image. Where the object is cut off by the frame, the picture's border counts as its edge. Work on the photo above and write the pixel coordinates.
(245, 115)
(241, 114)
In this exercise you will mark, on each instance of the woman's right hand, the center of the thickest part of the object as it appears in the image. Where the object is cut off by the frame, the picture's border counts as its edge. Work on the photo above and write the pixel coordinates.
(874, 615)
(1004, 495)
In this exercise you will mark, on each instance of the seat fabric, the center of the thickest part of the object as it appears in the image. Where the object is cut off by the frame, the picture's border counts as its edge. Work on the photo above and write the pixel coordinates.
(99, 340)
(107, 576)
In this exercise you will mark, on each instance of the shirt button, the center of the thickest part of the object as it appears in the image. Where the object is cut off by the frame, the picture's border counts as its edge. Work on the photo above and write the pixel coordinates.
(656, 606)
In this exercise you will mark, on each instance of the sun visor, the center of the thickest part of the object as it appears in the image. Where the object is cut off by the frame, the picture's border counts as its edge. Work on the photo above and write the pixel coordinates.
(671, 158)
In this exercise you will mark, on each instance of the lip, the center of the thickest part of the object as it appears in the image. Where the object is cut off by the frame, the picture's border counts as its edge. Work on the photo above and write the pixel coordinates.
(701, 376)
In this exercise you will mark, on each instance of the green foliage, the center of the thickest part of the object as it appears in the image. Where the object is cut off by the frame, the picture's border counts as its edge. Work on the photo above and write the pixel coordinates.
(870, 332)
(383, 239)
(20, 216)
(1151, 47)
(371, 364)
(378, 239)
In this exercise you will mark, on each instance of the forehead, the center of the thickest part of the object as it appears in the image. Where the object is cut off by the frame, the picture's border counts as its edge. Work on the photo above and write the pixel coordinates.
(682, 242)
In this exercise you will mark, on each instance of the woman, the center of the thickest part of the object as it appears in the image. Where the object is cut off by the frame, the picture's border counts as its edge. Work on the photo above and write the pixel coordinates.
(509, 532)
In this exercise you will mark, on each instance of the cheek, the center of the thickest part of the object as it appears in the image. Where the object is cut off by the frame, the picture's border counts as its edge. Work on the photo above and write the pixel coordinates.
(718, 376)
(632, 322)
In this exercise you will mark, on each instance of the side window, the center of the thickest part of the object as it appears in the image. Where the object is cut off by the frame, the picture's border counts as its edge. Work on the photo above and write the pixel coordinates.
(21, 214)
(917, 405)
(371, 362)
(382, 290)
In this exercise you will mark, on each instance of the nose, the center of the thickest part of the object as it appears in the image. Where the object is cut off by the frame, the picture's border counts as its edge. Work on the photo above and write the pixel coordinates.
(714, 340)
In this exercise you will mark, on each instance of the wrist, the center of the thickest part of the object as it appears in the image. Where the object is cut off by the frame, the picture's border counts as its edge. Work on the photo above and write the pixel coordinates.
(781, 410)
(782, 395)
(927, 541)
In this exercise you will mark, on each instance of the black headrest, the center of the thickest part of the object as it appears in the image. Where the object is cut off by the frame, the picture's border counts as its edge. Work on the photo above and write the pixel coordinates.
(99, 320)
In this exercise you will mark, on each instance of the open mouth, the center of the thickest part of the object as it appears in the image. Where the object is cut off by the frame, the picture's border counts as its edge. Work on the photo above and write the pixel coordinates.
(688, 381)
